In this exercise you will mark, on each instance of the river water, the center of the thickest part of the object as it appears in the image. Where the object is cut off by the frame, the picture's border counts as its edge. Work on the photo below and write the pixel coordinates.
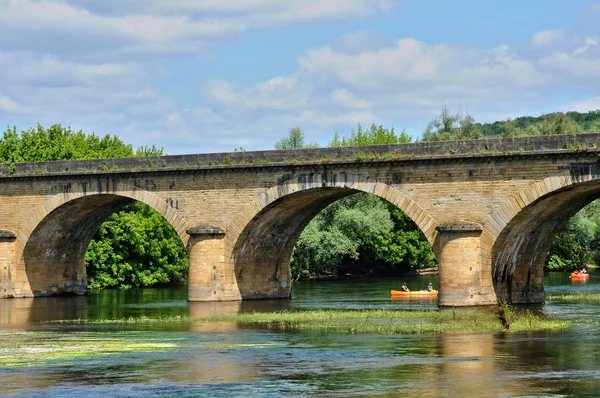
(43, 358)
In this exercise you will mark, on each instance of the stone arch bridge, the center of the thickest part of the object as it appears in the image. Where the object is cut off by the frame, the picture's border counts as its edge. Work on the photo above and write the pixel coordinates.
(490, 209)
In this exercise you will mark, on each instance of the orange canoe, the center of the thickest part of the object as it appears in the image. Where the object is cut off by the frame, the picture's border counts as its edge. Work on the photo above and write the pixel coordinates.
(416, 293)
(580, 276)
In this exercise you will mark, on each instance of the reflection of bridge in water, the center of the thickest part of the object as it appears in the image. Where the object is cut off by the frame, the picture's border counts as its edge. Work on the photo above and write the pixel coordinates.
(19, 315)
(490, 209)
(22, 314)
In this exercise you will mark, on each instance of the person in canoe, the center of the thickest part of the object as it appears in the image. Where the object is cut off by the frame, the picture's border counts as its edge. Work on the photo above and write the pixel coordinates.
(430, 288)
(405, 288)
(583, 271)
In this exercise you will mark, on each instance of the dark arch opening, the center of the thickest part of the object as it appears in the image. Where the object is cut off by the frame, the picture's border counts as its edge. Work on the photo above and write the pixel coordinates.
(54, 256)
(263, 250)
(520, 251)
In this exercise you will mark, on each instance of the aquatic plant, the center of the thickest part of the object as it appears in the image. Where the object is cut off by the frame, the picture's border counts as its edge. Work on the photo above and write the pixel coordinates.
(573, 297)
(372, 321)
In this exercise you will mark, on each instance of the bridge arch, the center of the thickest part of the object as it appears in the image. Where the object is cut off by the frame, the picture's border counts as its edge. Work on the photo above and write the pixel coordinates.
(260, 239)
(517, 236)
(51, 244)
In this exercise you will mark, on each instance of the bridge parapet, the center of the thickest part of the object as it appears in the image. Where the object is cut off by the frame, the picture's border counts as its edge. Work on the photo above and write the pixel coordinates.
(426, 151)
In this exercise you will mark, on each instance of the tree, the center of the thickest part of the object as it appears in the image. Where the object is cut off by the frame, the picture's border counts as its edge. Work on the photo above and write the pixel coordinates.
(375, 135)
(294, 140)
(60, 143)
(578, 243)
(559, 123)
(335, 235)
(447, 127)
(135, 247)
(400, 249)
(547, 124)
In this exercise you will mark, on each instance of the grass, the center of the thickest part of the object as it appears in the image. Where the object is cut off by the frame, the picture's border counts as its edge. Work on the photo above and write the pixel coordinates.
(592, 298)
(373, 321)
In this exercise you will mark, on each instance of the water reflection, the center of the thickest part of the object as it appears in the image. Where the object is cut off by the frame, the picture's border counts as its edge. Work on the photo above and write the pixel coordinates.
(19, 314)
(210, 309)
(203, 310)
(579, 281)
(469, 368)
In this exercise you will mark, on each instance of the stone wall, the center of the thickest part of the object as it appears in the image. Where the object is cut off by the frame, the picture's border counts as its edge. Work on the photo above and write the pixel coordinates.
(490, 147)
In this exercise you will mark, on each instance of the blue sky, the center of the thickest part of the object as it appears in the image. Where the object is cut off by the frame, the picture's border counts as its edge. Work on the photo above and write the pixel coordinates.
(197, 76)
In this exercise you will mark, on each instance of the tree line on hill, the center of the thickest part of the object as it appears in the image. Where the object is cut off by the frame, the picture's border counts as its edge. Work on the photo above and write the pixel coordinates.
(358, 235)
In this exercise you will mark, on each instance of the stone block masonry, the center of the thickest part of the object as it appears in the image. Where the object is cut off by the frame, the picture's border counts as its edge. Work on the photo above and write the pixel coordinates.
(489, 208)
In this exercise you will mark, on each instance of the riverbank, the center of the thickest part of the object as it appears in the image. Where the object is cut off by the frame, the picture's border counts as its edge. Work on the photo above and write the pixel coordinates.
(349, 275)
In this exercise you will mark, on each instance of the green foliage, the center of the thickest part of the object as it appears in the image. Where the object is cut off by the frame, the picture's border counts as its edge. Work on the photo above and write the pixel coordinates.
(401, 249)
(145, 151)
(548, 124)
(578, 243)
(446, 126)
(335, 235)
(135, 248)
(60, 143)
(375, 135)
(294, 140)
(393, 321)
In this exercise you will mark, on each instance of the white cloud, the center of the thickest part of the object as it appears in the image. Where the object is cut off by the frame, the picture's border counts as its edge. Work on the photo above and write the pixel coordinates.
(346, 99)
(548, 38)
(589, 104)
(578, 61)
(296, 9)
(128, 28)
(279, 93)
(9, 105)
(51, 71)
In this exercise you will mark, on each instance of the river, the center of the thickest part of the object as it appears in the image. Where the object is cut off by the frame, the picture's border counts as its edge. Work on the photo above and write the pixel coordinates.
(43, 358)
